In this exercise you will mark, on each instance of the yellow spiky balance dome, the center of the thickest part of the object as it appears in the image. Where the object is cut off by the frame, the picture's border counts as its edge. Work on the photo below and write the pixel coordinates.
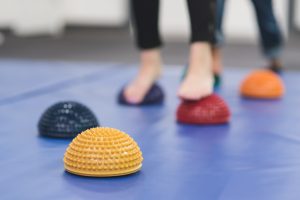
(103, 152)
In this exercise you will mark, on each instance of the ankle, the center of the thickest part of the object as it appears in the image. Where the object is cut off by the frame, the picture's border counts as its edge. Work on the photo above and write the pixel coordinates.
(200, 58)
(150, 58)
(276, 63)
(216, 60)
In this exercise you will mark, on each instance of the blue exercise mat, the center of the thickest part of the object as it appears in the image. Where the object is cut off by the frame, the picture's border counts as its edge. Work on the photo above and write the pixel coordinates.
(256, 156)
(25, 79)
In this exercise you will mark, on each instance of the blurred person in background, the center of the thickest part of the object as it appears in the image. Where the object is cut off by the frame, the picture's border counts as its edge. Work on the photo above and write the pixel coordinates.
(271, 39)
(198, 81)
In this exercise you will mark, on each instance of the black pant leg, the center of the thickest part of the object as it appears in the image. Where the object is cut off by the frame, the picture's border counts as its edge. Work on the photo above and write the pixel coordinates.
(202, 20)
(145, 22)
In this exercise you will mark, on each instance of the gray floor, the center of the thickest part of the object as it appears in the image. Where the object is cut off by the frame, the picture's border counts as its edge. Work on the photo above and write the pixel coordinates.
(116, 45)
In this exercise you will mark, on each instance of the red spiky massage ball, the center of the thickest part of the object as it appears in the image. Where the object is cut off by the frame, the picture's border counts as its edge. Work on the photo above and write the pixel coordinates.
(209, 110)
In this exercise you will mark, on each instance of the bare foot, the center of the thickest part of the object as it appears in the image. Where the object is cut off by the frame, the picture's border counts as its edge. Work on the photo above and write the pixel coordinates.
(149, 72)
(198, 82)
(217, 60)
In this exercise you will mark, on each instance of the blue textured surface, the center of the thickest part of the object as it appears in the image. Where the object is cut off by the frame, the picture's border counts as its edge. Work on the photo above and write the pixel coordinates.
(256, 156)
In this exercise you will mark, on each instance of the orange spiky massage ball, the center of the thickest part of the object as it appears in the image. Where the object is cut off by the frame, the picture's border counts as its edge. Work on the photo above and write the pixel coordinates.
(103, 152)
(262, 84)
